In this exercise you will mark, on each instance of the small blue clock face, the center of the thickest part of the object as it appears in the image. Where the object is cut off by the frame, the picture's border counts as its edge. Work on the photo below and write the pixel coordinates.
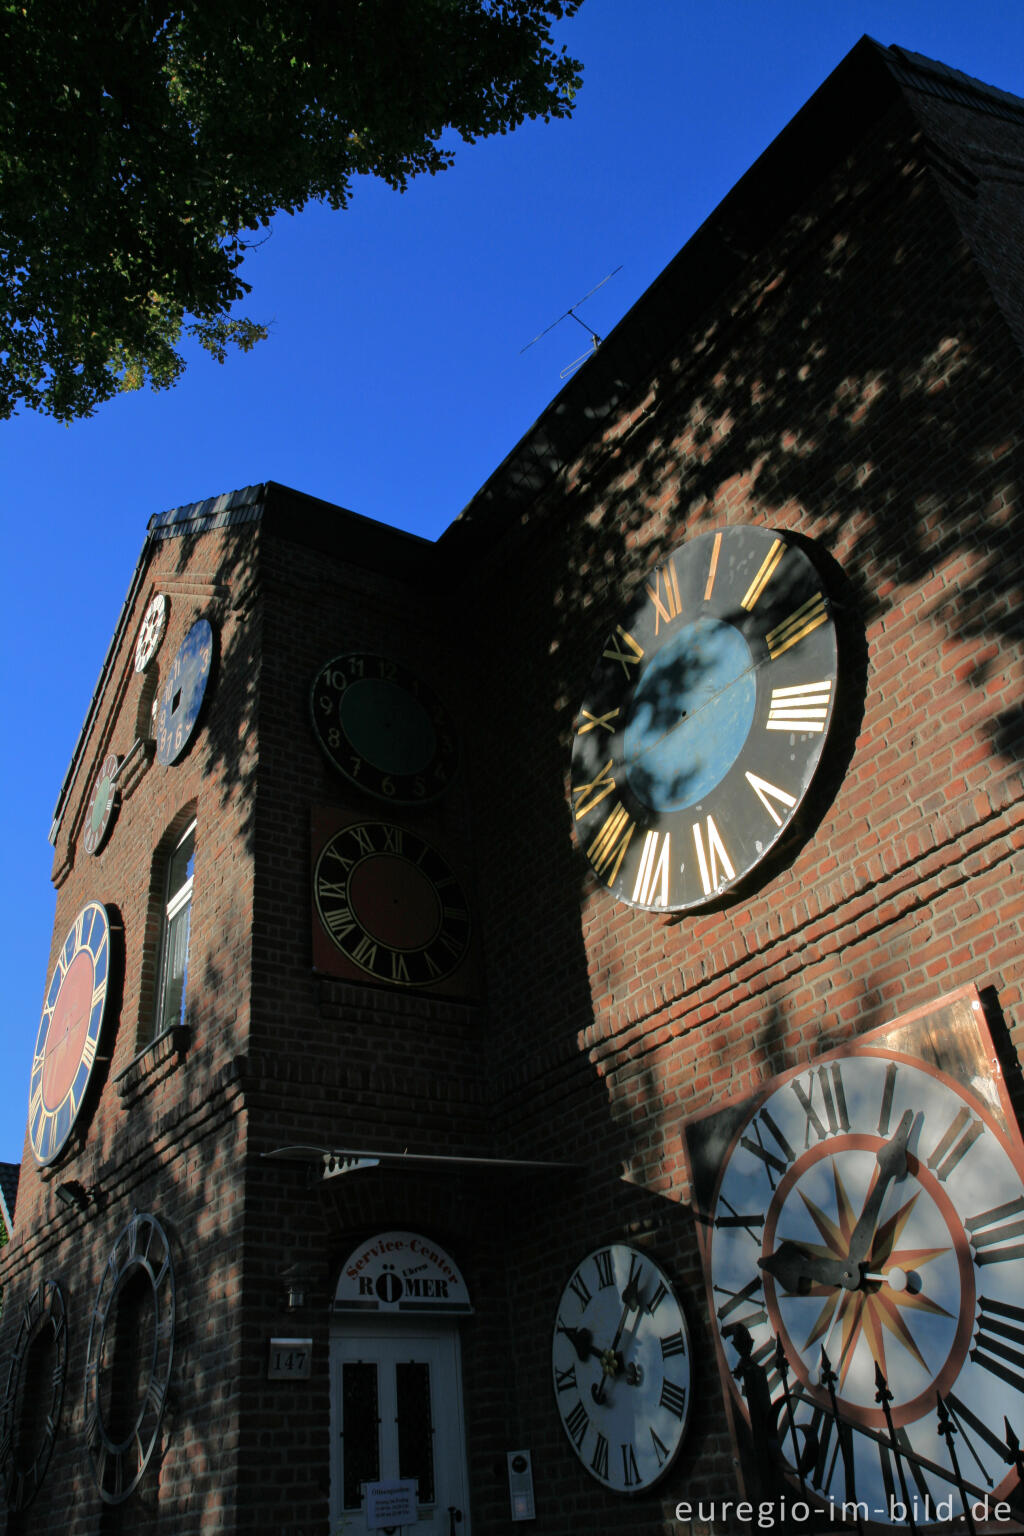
(182, 694)
(705, 719)
(69, 1032)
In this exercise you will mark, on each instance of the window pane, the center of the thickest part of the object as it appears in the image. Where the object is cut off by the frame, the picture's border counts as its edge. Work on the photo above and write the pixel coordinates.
(359, 1420)
(182, 862)
(415, 1428)
(172, 1008)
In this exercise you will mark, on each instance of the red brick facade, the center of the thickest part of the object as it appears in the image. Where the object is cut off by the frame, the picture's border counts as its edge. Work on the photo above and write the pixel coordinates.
(836, 355)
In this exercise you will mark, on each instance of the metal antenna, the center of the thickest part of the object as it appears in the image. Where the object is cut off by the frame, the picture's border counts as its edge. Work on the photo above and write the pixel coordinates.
(595, 339)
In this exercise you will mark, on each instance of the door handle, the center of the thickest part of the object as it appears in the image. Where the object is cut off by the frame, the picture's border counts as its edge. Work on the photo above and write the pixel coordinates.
(454, 1517)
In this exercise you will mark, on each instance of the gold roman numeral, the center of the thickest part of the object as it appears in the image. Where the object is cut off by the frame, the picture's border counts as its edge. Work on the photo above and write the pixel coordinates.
(626, 658)
(592, 722)
(766, 792)
(665, 595)
(653, 874)
(807, 617)
(803, 708)
(714, 863)
(764, 575)
(592, 794)
(608, 849)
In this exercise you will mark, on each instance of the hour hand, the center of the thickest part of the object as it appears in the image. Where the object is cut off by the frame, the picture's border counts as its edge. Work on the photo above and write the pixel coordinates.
(581, 1339)
(797, 1270)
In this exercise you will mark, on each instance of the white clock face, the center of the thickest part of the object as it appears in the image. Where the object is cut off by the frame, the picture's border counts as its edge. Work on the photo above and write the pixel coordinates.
(871, 1208)
(151, 633)
(620, 1357)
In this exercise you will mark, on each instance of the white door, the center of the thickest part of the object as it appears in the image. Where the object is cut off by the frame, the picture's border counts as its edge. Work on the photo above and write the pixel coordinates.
(396, 1413)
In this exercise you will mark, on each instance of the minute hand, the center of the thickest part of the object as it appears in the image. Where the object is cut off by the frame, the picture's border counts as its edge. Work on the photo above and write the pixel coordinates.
(892, 1164)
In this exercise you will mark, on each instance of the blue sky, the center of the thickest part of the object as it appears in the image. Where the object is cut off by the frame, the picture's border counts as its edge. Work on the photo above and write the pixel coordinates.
(394, 379)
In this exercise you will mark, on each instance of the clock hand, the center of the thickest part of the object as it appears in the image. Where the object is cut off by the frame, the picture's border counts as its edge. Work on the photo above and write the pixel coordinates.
(892, 1164)
(611, 1360)
(581, 1339)
(799, 1270)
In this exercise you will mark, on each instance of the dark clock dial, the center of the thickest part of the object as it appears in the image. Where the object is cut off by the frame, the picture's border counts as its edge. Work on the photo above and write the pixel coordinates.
(181, 696)
(32, 1402)
(705, 719)
(391, 904)
(69, 1033)
(871, 1205)
(383, 728)
(99, 816)
(129, 1357)
(620, 1357)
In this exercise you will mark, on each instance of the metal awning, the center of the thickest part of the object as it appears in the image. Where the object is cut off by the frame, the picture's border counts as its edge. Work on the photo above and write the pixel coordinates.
(334, 1161)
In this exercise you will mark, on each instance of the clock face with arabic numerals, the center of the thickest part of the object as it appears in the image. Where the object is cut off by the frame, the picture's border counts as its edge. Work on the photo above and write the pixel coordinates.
(705, 719)
(871, 1206)
(620, 1357)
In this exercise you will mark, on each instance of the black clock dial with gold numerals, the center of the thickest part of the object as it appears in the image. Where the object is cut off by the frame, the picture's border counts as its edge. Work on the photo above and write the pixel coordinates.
(391, 904)
(866, 1212)
(30, 1410)
(705, 719)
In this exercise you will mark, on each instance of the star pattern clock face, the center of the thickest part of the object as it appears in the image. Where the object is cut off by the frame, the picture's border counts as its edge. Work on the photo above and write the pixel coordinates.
(152, 632)
(871, 1206)
(391, 904)
(129, 1357)
(384, 729)
(181, 697)
(620, 1358)
(34, 1396)
(705, 719)
(69, 1033)
(102, 808)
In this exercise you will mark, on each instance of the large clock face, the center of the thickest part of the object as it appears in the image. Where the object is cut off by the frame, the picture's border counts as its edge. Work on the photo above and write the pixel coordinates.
(383, 728)
(391, 904)
(705, 719)
(181, 697)
(620, 1357)
(129, 1357)
(31, 1407)
(69, 1033)
(871, 1207)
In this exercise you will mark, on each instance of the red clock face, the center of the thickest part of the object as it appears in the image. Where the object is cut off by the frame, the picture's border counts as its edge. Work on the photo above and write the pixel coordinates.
(69, 1032)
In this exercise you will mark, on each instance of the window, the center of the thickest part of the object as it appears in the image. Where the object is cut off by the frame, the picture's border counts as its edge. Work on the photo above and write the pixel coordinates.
(177, 916)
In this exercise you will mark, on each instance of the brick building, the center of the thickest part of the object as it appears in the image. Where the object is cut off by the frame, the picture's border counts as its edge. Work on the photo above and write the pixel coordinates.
(446, 993)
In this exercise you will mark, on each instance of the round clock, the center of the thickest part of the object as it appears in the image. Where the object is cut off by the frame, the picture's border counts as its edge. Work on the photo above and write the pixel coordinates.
(69, 1033)
(386, 731)
(181, 696)
(129, 1357)
(871, 1208)
(31, 1407)
(620, 1357)
(152, 632)
(99, 817)
(704, 719)
(391, 904)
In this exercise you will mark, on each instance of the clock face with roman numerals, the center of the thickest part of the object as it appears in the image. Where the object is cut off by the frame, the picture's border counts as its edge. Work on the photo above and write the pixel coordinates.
(69, 1033)
(705, 719)
(390, 903)
(620, 1358)
(871, 1206)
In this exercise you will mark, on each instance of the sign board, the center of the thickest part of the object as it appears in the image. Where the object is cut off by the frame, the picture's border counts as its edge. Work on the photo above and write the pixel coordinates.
(401, 1273)
(289, 1359)
(391, 1504)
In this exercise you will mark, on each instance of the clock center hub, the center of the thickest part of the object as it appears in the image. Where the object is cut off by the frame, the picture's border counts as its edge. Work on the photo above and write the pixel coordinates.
(690, 715)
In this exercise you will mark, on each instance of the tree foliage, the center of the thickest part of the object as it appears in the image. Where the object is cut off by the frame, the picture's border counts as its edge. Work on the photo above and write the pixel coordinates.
(141, 143)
